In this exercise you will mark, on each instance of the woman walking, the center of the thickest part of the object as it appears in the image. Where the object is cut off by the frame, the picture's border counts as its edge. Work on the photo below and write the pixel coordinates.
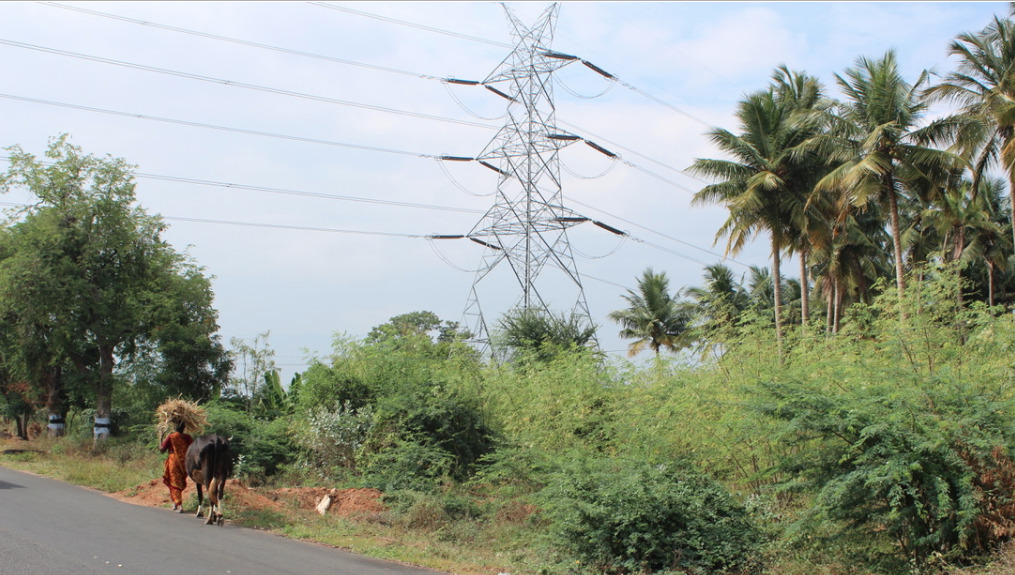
(175, 475)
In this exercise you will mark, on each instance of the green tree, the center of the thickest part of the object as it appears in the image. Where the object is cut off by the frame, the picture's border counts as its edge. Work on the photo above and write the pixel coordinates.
(983, 129)
(766, 184)
(90, 269)
(878, 153)
(253, 363)
(543, 334)
(653, 318)
(717, 306)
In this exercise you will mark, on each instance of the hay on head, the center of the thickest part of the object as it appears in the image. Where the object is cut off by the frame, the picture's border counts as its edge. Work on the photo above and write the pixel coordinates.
(176, 411)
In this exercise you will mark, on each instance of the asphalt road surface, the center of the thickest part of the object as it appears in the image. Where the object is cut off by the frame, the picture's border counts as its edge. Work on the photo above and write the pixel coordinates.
(48, 527)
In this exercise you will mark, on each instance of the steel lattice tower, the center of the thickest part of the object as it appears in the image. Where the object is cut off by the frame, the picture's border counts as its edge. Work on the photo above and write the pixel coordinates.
(527, 226)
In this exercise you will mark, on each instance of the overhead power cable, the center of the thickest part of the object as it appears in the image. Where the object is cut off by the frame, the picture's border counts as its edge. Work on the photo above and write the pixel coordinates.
(428, 237)
(215, 127)
(413, 25)
(287, 227)
(370, 66)
(226, 82)
(307, 194)
(291, 192)
(259, 45)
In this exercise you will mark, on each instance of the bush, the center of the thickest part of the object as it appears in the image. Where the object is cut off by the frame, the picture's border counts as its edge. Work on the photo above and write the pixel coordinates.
(261, 448)
(633, 516)
(332, 437)
(929, 469)
(429, 432)
(407, 465)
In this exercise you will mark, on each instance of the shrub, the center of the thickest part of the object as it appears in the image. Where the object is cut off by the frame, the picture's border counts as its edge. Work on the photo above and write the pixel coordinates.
(261, 448)
(333, 436)
(927, 468)
(634, 516)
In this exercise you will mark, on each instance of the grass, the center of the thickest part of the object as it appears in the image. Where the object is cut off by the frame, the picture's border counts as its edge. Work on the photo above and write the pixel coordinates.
(464, 547)
(419, 532)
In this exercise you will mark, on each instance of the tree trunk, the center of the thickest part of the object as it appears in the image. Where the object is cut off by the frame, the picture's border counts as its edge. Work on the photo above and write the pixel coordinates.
(805, 291)
(990, 283)
(103, 394)
(838, 307)
(52, 381)
(777, 292)
(1011, 197)
(829, 310)
(893, 204)
(960, 246)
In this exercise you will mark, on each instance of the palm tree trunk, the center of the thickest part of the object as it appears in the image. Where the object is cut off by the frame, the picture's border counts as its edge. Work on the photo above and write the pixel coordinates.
(893, 203)
(805, 292)
(777, 293)
(837, 313)
(829, 310)
(1011, 197)
(960, 246)
(990, 283)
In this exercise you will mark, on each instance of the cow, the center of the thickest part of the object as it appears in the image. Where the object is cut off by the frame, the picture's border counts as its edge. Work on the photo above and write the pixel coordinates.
(209, 463)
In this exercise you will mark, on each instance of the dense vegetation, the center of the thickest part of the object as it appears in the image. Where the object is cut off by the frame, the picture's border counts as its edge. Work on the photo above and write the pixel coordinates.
(854, 420)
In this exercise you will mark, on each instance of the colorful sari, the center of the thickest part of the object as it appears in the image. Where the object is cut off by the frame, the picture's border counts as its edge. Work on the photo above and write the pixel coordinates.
(175, 475)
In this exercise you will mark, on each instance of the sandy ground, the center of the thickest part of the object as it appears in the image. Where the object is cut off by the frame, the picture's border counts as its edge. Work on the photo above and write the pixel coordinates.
(346, 502)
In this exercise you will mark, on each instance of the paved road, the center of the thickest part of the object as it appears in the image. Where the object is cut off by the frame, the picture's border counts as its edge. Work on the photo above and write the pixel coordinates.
(49, 527)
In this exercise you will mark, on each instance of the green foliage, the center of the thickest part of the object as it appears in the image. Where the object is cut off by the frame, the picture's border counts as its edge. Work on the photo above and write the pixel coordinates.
(333, 437)
(531, 333)
(897, 433)
(654, 318)
(88, 282)
(556, 405)
(634, 516)
(407, 465)
(324, 387)
(261, 447)
(439, 432)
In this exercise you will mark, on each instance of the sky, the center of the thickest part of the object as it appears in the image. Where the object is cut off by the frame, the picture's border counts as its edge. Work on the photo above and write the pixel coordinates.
(291, 146)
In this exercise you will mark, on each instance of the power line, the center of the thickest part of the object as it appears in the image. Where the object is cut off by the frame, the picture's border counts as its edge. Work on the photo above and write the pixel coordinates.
(355, 63)
(213, 80)
(413, 25)
(305, 193)
(291, 227)
(237, 41)
(215, 127)
(292, 192)
(307, 140)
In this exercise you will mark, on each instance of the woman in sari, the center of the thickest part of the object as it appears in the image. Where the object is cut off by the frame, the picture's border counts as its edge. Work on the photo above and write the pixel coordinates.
(175, 475)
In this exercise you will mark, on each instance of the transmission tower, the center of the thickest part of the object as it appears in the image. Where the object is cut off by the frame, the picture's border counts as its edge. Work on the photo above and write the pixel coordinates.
(527, 226)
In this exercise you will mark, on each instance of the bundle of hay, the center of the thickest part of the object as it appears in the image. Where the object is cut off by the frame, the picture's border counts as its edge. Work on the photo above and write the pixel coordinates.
(176, 411)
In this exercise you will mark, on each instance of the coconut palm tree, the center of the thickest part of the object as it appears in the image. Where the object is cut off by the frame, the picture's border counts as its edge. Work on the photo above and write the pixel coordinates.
(879, 156)
(764, 182)
(653, 318)
(717, 305)
(809, 227)
(984, 86)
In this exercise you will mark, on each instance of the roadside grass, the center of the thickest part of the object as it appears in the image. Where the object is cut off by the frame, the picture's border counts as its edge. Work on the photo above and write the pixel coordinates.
(418, 535)
(467, 546)
(111, 467)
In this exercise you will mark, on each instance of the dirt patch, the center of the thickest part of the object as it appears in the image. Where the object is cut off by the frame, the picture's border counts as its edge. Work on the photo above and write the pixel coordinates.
(347, 502)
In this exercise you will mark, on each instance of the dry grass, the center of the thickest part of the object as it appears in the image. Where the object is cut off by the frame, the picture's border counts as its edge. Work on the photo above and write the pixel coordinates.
(176, 411)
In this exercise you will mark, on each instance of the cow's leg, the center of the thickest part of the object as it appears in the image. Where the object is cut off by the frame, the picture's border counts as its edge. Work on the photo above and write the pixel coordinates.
(221, 493)
(200, 497)
(213, 500)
